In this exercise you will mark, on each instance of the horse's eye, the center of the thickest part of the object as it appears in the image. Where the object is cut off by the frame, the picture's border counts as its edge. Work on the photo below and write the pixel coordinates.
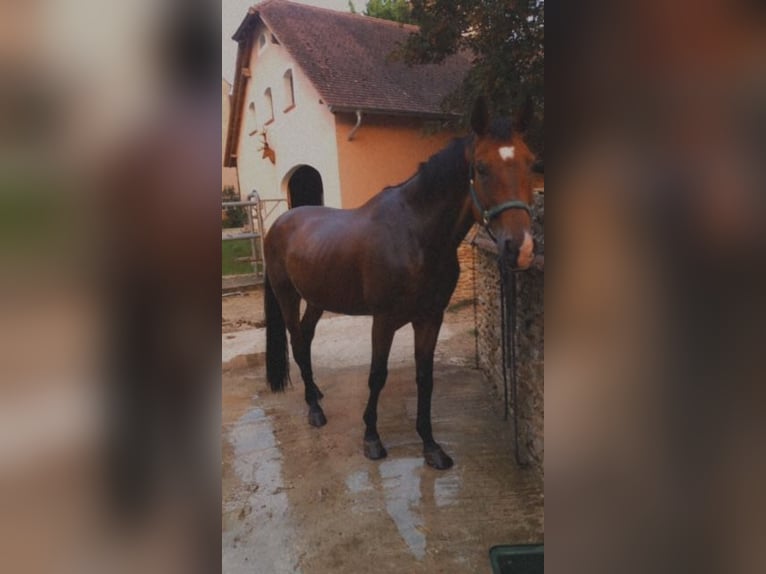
(482, 169)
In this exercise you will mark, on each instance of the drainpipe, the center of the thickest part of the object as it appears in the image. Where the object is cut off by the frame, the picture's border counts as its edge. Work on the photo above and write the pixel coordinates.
(357, 126)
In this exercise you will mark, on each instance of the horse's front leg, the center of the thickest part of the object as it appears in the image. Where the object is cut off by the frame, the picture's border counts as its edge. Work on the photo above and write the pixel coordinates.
(382, 336)
(426, 334)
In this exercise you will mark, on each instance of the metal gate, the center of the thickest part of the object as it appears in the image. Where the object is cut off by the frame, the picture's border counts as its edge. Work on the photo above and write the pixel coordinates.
(257, 210)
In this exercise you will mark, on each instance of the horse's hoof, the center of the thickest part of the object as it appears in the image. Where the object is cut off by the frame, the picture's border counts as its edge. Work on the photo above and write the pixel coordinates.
(374, 449)
(317, 418)
(437, 458)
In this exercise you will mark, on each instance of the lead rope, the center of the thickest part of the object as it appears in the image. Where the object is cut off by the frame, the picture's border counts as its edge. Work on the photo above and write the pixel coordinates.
(475, 304)
(508, 327)
(504, 332)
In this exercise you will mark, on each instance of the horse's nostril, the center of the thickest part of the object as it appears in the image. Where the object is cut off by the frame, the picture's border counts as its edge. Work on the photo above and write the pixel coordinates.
(511, 251)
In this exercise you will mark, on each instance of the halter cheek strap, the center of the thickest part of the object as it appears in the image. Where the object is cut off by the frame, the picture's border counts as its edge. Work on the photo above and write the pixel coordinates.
(488, 215)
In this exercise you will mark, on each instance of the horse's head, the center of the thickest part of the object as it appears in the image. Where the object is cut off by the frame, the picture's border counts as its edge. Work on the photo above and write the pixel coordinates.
(501, 185)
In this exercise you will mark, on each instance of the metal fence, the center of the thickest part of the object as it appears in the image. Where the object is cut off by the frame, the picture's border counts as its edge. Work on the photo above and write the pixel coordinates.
(257, 211)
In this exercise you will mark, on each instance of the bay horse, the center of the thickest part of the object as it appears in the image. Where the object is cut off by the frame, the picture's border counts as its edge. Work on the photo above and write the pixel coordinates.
(395, 258)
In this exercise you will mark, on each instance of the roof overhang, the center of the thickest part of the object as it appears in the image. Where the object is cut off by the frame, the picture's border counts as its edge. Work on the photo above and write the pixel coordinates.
(398, 113)
(247, 24)
(244, 38)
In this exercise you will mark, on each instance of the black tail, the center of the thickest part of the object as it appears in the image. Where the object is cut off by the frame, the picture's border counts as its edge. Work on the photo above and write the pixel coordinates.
(277, 359)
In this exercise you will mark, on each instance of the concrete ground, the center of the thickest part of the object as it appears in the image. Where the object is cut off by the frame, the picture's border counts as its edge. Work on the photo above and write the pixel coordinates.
(301, 499)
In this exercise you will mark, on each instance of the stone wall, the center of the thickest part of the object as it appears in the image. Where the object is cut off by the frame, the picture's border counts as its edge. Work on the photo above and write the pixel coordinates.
(529, 338)
(464, 290)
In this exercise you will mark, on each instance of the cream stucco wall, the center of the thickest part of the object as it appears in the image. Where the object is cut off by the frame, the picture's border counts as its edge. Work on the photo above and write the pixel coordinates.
(303, 135)
(228, 174)
(385, 151)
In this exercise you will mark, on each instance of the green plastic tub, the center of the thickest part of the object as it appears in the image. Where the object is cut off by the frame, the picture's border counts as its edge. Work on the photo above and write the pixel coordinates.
(518, 559)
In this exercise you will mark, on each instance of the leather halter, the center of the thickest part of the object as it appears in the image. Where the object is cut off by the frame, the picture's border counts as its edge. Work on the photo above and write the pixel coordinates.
(488, 215)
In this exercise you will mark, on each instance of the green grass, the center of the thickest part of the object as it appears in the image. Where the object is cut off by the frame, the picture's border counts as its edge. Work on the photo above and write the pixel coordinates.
(230, 251)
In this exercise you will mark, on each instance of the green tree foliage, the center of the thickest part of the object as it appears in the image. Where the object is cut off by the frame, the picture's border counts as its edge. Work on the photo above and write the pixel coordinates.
(396, 10)
(504, 38)
(235, 216)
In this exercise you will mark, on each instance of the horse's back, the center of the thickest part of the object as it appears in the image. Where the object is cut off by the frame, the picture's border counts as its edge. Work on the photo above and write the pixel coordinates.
(317, 249)
(307, 229)
(357, 262)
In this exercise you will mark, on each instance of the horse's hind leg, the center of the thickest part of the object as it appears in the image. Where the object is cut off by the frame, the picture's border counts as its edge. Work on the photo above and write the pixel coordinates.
(382, 337)
(308, 326)
(301, 334)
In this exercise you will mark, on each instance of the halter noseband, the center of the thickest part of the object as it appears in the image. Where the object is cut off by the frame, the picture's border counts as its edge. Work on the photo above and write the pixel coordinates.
(488, 215)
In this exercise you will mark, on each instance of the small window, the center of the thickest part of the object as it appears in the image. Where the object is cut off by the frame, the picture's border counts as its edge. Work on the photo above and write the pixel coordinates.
(289, 90)
(252, 123)
(261, 42)
(269, 106)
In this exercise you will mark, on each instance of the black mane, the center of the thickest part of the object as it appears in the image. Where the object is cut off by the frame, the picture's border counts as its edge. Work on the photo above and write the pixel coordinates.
(444, 170)
(449, 167)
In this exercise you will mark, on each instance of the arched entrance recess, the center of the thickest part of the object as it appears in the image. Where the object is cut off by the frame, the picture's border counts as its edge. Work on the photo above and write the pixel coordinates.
(305, 187)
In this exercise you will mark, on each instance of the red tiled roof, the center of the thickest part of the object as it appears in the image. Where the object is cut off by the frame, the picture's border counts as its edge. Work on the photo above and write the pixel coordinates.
(346, 57)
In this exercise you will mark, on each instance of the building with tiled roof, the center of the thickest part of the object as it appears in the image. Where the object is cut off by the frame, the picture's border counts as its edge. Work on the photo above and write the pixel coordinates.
(341, 118)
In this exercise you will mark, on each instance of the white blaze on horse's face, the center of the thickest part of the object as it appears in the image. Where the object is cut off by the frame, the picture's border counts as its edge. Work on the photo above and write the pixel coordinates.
(507, 152)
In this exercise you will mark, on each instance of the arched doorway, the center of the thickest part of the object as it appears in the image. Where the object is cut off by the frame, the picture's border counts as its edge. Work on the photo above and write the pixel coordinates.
(305, 187)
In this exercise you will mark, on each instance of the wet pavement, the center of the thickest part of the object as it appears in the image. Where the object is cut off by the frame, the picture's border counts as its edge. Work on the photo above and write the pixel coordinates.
(302, 499)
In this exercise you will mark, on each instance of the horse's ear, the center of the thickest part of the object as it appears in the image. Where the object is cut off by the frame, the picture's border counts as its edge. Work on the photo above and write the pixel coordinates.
(480, 116)
(524, 116)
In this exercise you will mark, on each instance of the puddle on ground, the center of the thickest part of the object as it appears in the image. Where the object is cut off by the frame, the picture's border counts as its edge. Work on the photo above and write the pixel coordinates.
(261, 500)
(402, 485)
(447, 488)
(401, 489)
(358, 482)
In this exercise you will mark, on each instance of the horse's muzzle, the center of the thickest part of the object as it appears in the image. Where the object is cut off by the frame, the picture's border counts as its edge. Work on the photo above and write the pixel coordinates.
(518, 255)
